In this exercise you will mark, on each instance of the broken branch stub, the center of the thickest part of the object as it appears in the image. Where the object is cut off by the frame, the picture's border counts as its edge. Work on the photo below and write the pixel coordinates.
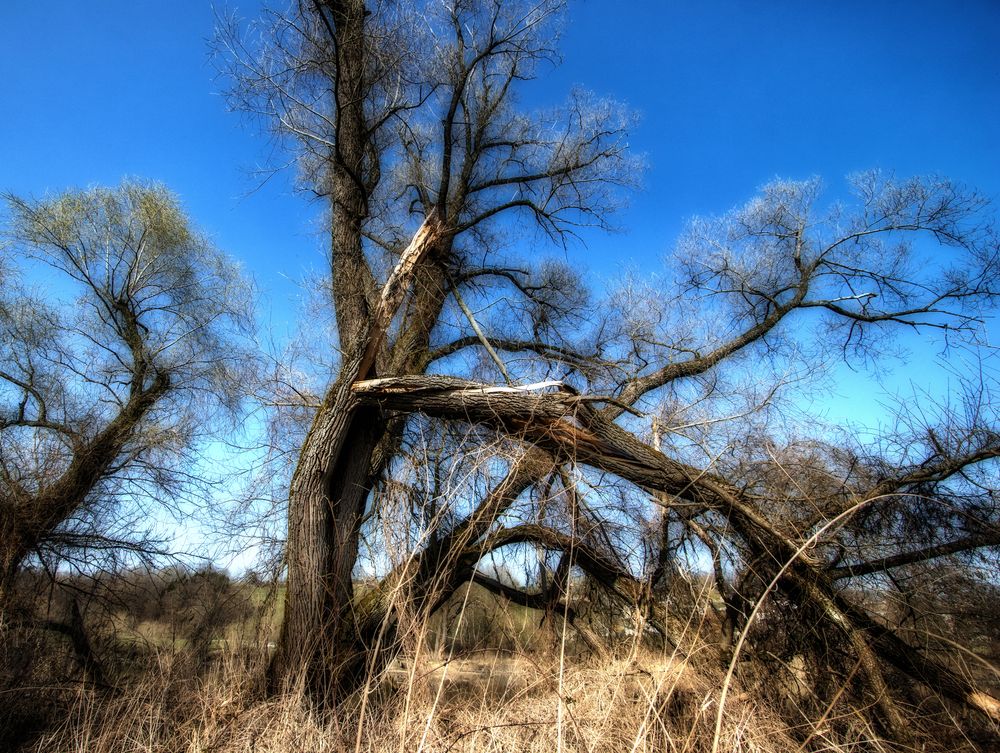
(427, 236)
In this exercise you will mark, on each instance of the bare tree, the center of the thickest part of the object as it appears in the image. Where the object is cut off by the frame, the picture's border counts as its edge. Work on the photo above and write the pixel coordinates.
(398, 127)
(386, 140)
(120, 341)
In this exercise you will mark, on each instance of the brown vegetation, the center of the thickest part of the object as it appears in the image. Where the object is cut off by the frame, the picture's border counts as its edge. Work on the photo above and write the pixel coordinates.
(486, 678)
(183, 654)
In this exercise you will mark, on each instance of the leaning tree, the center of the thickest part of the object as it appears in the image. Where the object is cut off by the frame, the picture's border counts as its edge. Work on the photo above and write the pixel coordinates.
(573, 425)
(120, 339)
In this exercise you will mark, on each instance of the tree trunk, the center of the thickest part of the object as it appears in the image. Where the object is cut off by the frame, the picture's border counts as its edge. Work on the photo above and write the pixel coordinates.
(542, 419)
(318, 648)
(326, 505)
(27, 520)
(12, 551)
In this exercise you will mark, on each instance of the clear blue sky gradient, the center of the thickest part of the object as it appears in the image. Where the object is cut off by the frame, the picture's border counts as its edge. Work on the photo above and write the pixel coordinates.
(731, 95)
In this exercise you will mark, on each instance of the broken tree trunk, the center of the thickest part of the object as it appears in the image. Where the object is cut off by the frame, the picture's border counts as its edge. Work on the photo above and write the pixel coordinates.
(326, 505)
(566, 425)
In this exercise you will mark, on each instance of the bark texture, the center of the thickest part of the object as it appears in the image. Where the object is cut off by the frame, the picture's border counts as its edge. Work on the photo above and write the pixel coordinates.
(318, 648)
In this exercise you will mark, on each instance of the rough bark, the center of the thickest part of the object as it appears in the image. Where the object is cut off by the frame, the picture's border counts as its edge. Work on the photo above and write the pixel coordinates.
(425, 582)
(329, 490)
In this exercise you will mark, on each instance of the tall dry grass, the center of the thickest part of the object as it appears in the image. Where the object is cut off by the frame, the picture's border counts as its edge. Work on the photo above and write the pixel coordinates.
(479, 683)
(484, 702)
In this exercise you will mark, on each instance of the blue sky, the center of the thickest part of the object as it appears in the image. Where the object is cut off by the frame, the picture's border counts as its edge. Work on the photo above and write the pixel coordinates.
(732, 93)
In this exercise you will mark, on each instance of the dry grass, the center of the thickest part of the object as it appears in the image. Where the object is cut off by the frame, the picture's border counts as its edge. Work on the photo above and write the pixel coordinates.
(483, 702)
(455, 691)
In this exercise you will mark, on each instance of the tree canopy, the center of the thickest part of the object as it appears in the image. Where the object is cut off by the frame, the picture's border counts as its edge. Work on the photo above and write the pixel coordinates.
(620, 433)
(112, 371)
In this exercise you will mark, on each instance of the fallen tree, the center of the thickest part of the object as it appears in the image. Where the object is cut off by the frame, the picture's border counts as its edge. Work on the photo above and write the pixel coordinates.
(406, 115)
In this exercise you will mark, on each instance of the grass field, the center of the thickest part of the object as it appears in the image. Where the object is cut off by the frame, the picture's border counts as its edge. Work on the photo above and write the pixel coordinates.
(481, 676)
